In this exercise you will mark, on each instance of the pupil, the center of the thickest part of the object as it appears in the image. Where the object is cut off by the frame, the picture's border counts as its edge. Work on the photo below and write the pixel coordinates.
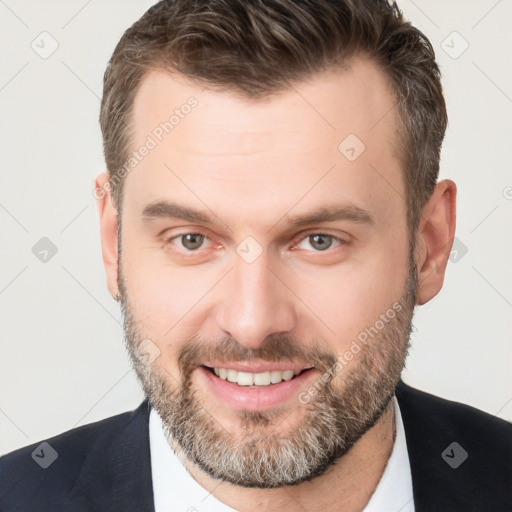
(192, 241)
(320, 242)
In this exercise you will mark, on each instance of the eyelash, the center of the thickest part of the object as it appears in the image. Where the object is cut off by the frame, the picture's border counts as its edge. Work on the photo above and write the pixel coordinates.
(336, 239)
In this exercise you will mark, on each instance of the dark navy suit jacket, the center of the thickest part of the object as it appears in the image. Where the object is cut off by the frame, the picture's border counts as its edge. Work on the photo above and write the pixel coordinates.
(105, 466)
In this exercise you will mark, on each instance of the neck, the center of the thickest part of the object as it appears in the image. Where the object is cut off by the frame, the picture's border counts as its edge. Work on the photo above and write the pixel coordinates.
(347, 485)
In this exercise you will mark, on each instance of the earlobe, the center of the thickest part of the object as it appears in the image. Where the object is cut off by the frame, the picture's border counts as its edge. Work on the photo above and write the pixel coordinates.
(435, 238)
(108, 231)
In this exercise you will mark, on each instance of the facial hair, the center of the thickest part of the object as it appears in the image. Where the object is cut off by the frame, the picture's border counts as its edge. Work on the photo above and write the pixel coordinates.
(258, 455)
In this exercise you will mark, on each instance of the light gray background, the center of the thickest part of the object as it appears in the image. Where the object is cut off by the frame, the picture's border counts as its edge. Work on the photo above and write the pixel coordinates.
(62, 361)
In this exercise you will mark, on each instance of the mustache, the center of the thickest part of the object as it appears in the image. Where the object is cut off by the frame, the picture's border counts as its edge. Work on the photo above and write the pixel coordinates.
(275, 348)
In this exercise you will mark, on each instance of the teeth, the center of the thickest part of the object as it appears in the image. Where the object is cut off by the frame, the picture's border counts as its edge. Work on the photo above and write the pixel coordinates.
(245, 379)
(276, 377)
(262, 379)
(288, 374)
(254, 379)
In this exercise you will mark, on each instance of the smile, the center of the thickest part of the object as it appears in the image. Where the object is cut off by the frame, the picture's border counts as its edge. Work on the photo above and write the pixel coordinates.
(255, 386)
(256, 379)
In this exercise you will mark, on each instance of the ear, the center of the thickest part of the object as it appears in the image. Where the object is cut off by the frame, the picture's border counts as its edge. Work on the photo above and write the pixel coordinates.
(434, 240)
(108, 231)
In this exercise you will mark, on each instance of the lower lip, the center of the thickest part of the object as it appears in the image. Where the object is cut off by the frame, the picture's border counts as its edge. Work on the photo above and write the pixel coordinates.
(262, 398)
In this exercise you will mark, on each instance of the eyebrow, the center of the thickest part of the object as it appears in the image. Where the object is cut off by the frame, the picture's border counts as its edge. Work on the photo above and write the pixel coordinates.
(165, 209)
(349, 212)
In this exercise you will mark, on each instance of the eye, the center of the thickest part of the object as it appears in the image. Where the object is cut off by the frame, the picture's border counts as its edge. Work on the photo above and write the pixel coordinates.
(190, 241)
(319, 242)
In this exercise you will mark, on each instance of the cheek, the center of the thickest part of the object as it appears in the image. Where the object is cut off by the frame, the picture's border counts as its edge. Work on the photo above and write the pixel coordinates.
(165, 307)
(166, 300)
(349, 298)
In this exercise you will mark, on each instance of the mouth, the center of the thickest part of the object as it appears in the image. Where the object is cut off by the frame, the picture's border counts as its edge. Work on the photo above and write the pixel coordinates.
(255, 387)
(256, 379)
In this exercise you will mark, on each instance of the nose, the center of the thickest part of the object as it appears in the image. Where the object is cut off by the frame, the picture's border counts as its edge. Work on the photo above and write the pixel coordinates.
(254, 303)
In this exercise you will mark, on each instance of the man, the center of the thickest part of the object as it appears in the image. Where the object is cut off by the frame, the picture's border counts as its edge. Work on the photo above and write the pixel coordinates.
(270, 218)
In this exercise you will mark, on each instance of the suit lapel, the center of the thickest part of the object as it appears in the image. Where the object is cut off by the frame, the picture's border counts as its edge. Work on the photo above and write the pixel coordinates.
(436, 485)
(117, 473)
(427, 486)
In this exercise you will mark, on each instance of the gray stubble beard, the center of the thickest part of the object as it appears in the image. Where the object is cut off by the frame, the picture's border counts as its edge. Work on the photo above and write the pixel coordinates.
(257, 455)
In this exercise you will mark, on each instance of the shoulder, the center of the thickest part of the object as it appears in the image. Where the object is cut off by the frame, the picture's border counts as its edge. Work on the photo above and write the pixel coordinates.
(74, 444)
(431, 410)
(26, 472)
(460, 456)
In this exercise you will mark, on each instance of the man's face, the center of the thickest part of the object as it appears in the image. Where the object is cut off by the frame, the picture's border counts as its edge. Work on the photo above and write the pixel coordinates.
(261, 240)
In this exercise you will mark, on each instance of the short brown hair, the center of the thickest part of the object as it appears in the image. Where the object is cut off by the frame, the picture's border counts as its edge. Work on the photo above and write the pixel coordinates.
(256, 47)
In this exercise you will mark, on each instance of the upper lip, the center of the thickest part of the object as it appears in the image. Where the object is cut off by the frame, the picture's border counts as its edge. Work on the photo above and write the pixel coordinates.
(259, 367)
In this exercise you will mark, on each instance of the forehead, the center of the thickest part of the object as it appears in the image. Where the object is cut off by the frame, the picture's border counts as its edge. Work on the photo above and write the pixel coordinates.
(330, 137)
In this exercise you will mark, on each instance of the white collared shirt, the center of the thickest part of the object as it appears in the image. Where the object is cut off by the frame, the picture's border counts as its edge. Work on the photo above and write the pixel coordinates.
(174, 490)
(394, 491)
